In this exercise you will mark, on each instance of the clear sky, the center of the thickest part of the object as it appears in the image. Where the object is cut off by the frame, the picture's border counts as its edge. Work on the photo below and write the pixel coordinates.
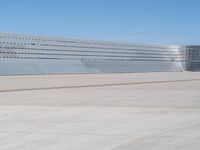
(138, 21)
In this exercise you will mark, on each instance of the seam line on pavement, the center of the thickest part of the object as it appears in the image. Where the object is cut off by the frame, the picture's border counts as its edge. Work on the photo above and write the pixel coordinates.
(95, 85)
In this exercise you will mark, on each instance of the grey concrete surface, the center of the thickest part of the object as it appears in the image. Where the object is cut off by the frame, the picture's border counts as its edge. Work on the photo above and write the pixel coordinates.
(154, 111)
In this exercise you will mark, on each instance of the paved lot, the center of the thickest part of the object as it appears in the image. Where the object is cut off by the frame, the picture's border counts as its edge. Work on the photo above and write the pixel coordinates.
(154, 111)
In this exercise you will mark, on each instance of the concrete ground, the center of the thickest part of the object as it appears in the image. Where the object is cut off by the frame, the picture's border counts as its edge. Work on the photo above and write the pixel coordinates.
(146, 111)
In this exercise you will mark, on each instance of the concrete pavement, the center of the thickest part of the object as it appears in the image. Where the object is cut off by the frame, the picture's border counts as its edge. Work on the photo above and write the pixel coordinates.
(154, 111)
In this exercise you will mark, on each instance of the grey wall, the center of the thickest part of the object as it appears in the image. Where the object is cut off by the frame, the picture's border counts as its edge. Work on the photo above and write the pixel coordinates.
(193, 58)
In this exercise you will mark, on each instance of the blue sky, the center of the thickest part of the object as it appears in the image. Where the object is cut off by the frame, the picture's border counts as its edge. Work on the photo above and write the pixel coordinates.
(138, 21)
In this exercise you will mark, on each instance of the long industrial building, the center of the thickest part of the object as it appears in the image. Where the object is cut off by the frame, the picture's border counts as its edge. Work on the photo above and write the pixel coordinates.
(23, 54)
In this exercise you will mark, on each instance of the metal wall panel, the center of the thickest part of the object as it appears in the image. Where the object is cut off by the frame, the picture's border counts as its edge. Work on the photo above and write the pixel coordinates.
(193, 58)
(21, 54)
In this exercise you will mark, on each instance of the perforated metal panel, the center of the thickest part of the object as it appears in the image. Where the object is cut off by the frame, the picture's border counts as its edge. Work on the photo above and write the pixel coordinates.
(21, 54)
(193, 58)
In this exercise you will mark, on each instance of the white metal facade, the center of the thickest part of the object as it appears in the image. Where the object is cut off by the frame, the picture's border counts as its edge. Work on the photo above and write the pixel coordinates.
(22, 54)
